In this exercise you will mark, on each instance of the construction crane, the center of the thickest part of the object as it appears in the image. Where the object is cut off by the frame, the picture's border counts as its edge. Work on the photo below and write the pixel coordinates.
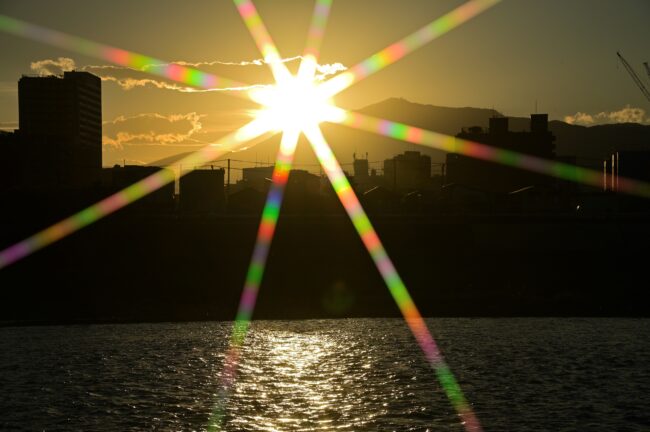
(634, 76)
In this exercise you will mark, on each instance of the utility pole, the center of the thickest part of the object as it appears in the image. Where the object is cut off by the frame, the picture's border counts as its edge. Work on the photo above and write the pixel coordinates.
(613, 176)
(617, 169)
(228, 183)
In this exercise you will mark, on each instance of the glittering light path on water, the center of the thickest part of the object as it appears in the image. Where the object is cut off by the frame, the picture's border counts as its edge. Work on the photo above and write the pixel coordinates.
(452, 144)
(360, 220)
(126, 196)
(271, 212)
(174, 72)
(392, 279)
(407, 45)
(255, 272)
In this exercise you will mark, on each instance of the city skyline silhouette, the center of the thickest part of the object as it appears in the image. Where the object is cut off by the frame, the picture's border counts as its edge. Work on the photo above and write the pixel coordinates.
(462, 212)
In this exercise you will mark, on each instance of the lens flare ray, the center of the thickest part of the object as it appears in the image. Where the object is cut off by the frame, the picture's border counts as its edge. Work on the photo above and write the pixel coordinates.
(270, 214)
(284, 160)
(317, 28)
(171, 71)
(128, 195)
(407, 45)
(311, 52)
(266, 230)
(262, 38)
(451, 144)
(392, 279)
(268, 223)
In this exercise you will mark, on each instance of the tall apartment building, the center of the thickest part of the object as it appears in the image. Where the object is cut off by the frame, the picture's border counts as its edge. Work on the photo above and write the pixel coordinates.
(60, 130)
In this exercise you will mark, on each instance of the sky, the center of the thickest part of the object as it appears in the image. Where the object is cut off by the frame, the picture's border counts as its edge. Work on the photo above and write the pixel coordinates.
(558, 54)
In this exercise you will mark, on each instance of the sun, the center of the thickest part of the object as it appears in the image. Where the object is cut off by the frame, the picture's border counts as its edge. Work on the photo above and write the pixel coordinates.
(295, 102)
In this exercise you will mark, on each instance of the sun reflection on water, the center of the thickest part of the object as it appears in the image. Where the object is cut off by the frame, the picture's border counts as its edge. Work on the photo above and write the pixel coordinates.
(293, 375)
(305, 378)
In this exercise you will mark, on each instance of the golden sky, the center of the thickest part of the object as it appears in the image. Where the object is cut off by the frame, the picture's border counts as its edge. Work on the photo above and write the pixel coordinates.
(560, 53)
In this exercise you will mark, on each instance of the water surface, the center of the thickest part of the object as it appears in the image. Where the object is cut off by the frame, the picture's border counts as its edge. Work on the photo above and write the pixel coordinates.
(343, 375)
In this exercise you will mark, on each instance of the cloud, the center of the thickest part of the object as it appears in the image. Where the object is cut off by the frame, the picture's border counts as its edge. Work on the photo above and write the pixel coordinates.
(256, 62)
(326, 70)
(152, 129)
(53, 66)
(624, 115)
(628, 115)
(129, 78)
(129, 83)
(580, 118)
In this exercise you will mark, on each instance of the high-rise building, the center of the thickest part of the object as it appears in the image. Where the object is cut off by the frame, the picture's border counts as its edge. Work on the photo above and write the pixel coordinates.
(408, 171)
(60, 128)
(493, 177)
(9, 174)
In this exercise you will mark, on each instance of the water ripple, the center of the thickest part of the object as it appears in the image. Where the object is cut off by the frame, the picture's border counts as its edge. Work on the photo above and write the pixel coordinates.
(343, 375)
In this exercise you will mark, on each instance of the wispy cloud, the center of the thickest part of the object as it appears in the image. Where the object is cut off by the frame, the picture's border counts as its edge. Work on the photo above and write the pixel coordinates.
(324, 70)
(129, 83)
(64, 64)
(625, 115)
(152, 129)
(129, 78)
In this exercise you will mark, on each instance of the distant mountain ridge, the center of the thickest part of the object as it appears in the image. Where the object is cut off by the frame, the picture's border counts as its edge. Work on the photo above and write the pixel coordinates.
(590, 144)
(584, 142)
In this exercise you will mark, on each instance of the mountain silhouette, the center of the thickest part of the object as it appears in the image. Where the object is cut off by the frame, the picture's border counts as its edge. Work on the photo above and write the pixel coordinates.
(595, 142)
(589, 144)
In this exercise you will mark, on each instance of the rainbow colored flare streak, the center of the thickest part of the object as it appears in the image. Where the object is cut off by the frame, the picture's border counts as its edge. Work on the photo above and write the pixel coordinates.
(126, 196)
(271, 212)
(392, 279)
(262, 38)
(255, 272)
(451, 144)
(284, 159)
(407, 45)
(267, 227)
(174, 72)
(317, 28)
